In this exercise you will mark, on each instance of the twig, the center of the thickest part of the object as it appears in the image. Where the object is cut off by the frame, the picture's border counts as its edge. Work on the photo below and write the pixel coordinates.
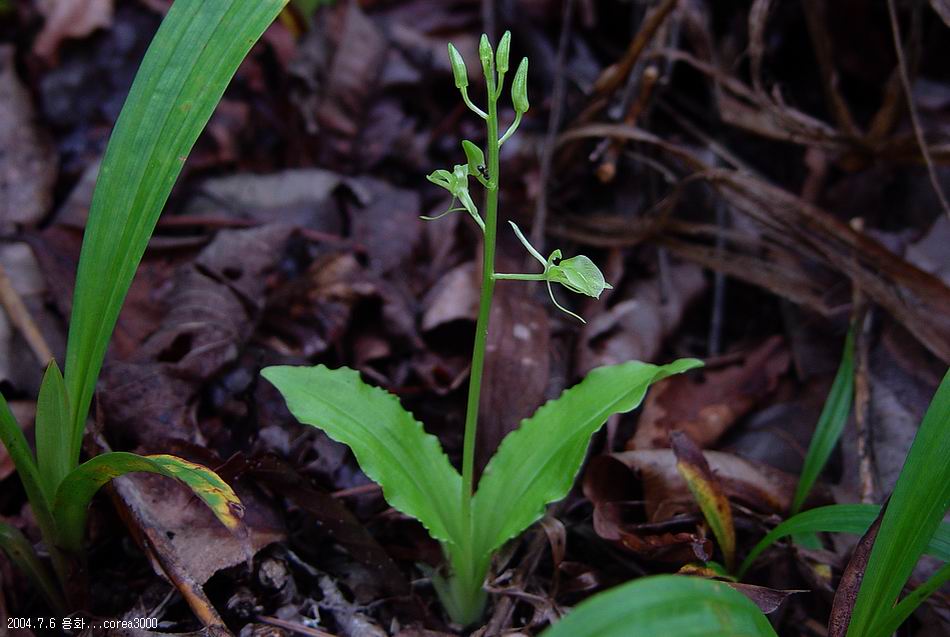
(862, 404)
(861, 319)
(300, 629)
(608, 166)
(821, 43)
(501, 617)
(912, 108)
(719, 282)
(614, 75)
(21, 318)
(554, 120)
(355, 491)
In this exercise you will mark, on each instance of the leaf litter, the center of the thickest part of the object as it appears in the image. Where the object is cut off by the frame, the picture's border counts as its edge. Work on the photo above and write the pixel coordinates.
(295, 237)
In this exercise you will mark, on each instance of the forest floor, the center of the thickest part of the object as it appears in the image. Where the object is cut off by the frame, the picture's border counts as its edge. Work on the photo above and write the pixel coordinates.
(747, 174)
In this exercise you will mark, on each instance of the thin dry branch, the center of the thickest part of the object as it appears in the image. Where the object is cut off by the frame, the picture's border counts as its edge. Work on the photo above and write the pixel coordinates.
(912, 108)
(20, 317)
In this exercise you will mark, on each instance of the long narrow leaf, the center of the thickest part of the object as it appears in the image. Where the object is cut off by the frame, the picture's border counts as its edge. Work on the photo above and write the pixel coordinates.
(665, 605)
(390, 445)
(899, 614)
(52, 430)
(13, 439)
(854, 519)
(188, 65)
(21, 552)
(708, 493)
(76, 491)
(536, 464)
(831, 422)
(918, 504)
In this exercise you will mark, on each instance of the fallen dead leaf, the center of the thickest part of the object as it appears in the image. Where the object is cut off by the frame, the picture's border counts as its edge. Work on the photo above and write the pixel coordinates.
(665, 493)
(847, 593)
(516, 367)
(634, 329)
(708, 492)
(454, 297)
(67, 19)
(28, 162)
(190, 533)
(706, 404)
(214, 305)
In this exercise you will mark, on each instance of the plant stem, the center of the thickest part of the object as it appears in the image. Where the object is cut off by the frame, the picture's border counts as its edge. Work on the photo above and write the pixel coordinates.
(481, 328)
(519, 277)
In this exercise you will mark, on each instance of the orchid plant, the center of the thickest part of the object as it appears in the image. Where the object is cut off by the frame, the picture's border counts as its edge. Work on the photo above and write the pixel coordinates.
(534, 465)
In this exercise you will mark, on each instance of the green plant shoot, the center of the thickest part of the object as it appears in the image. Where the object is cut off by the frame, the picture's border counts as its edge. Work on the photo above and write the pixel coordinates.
(534, 465)
(184, 73)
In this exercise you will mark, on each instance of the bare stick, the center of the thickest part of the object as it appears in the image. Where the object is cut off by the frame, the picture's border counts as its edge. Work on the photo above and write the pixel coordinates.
(21, 318)
(912, 108)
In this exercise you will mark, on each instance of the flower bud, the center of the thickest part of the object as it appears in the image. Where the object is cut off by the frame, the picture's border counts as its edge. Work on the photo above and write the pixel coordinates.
(519, 87)
(458, 67)
(485, 54)
(501, 56)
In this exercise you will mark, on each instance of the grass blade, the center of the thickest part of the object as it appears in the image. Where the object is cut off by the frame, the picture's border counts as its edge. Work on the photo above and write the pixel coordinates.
(665, 605)
(708, 493)
(913, 514)
(899, 614)
(52, 430)
(854, 519)
(21, 553)
(184, 73)
(13, 439)
(76, 491)
(831, 422)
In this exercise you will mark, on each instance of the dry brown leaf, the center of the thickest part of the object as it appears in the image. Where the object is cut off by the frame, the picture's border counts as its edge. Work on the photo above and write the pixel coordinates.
(454, 297)
(67, 19)
(942, 7)
(665, 493)
(28, 161)
(705, 405)
(516, 369)
(635, 329)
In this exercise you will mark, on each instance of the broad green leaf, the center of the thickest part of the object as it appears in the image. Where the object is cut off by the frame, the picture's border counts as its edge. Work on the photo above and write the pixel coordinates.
(76, 491)
(854, 519)
(831, 422)
(536, 464)
(914, 512)
(391, 446)
(184, 73)
(899, 614)
(52, 430)
(708, 493)
(21, 553)
(663, 605)
(19, 449)
(578, 274)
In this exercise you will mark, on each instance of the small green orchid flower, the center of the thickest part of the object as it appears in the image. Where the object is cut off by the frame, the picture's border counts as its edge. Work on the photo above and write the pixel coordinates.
(578, 274)
(456, 182)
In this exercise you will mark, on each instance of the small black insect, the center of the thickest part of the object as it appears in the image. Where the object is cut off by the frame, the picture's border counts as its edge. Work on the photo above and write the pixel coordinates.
(483, 171)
